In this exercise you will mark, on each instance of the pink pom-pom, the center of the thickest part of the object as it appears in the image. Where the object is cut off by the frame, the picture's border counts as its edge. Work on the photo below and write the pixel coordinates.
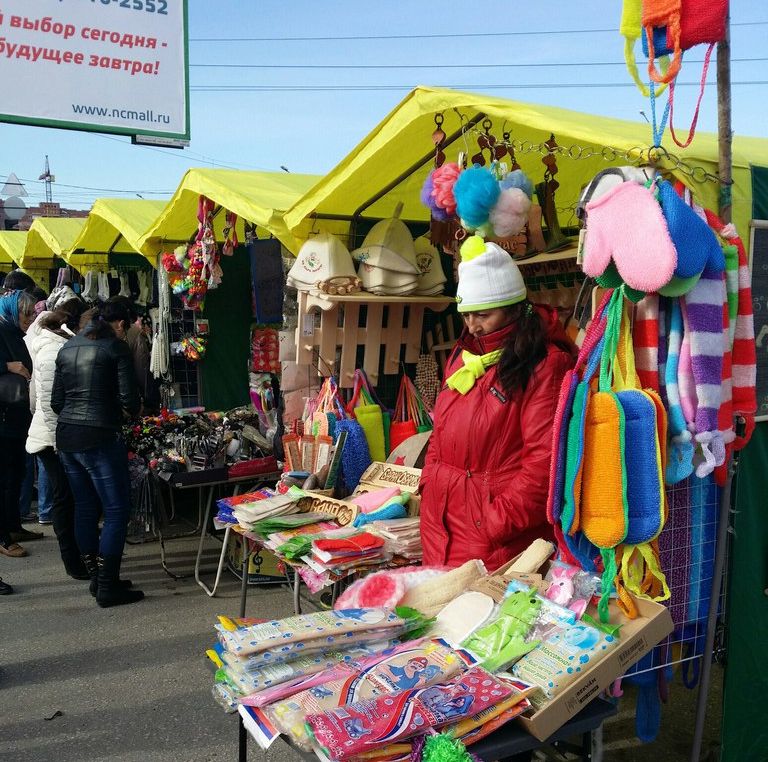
(443, 180)
(509, 215)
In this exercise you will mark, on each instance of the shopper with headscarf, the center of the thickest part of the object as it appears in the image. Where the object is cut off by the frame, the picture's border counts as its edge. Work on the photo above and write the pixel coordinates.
(47, 335)
(17, 311)
(94, 388)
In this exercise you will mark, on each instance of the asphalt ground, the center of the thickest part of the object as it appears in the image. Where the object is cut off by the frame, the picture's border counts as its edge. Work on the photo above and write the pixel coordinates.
(132, 683)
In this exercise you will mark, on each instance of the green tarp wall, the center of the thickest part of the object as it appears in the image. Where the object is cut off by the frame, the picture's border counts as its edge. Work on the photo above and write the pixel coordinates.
(224, 370)
(745, 712)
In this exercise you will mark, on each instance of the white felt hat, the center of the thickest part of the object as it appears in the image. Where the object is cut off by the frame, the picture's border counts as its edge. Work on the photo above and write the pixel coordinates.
(389, 245)
(322, 257)
(432, 278)
(379, 280)
(488, 277)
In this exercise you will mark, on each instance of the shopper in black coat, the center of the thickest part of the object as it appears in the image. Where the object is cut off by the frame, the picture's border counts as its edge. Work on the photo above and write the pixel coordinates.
(94, 388)
(17, 311)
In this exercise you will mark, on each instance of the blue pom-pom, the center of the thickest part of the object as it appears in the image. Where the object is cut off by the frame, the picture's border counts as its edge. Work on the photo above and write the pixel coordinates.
(476, 192)
(518, 179)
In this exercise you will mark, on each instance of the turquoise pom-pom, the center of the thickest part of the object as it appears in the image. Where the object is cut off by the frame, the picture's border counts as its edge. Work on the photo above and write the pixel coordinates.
(476, 192)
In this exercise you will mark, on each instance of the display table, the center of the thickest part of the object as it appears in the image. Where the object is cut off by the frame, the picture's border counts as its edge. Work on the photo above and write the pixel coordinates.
(255, 480)
(510, 742)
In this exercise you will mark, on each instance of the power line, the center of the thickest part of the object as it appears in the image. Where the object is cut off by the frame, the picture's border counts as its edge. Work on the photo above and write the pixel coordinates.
(379, 88)
(437, 36)
(440, 66)
(173, 153)
(100, 190)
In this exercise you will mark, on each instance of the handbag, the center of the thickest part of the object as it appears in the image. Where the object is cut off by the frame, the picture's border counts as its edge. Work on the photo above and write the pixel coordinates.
(370, 417)
(411, 416)
(14, 390)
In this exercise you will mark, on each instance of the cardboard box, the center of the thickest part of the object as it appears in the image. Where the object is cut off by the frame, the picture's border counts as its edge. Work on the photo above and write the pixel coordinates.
(263, 567)
(636, 638)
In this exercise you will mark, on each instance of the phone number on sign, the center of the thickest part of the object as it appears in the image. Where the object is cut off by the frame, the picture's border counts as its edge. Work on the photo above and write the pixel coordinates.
(150, 6)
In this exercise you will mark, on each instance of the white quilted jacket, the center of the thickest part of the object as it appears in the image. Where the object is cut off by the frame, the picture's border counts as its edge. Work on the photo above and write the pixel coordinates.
(43, 346)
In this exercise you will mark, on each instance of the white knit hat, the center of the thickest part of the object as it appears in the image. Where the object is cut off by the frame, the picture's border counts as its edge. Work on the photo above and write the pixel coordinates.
(488, 277)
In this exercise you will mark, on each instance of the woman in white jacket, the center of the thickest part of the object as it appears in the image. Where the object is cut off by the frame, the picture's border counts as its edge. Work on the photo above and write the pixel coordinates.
(45, 337)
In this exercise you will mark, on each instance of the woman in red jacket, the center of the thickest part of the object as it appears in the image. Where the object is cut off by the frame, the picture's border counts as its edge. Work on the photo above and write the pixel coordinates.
(484, 483)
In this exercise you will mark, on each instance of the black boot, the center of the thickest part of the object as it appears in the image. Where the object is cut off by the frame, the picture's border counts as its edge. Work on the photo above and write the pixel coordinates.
(75, 566)
(92, 567)
(109, 590)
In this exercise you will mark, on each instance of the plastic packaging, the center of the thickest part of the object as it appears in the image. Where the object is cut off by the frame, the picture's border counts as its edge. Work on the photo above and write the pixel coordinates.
(571, 586)
(362, 726)
(406, 667)
(504, 640)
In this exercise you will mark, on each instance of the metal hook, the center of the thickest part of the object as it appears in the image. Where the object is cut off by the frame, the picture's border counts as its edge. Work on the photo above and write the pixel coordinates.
(313, 231)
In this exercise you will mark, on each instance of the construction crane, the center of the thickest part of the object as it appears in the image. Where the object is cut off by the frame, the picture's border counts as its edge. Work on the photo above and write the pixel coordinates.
(49, 180)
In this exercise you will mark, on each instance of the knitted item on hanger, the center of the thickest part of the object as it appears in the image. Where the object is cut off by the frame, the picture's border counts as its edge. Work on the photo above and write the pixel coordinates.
(103, 287)
(743, 351)
(680, 451)
(685, 382)
(732, 288)
(125, 289)
(626, 225)
(695, 243)
(704, 312)
(645, 338)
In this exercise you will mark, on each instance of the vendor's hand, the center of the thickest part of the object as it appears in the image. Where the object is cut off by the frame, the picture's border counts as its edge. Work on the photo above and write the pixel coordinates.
(19, 368)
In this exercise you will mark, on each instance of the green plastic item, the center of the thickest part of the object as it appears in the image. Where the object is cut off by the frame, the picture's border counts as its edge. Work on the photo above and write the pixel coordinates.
(502, 642)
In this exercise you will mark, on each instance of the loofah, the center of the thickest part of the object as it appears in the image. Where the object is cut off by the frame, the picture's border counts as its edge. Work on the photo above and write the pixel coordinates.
(428, 199)
(626, 225)
(510, 214)
(476, 192)
(518, 179)
(443, 180)
(695, 243)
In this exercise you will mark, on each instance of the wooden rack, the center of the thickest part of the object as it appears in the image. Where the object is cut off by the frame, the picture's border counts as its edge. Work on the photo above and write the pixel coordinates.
(400, 327)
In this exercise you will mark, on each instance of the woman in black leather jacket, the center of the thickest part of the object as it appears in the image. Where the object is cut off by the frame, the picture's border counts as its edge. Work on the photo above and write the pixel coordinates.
(93, 390)
(17, 311)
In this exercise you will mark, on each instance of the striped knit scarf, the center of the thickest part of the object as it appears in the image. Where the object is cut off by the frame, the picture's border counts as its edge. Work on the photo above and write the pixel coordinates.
(704, 313)
(645, 339)
(680, 450)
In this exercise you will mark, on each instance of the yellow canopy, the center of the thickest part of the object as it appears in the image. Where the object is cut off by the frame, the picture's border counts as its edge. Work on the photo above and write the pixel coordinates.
(50, 237)
(257, 197)
(12, 244)
(403, 139)
(113, 225)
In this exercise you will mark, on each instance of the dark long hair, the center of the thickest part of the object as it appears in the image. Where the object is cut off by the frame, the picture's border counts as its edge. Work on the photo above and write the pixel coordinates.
(99, 326)
(524, 348)
(68, 314)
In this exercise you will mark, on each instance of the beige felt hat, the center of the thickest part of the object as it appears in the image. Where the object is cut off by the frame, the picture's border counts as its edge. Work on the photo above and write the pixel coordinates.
(432, 278)
(320, 259)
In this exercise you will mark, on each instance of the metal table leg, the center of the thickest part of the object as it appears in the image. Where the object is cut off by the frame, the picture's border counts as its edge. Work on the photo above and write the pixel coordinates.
(242, 740)
(296, 592)
(244, 581)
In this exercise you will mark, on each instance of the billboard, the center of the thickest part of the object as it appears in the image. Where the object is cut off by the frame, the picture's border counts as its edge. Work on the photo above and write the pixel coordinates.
(118, 66)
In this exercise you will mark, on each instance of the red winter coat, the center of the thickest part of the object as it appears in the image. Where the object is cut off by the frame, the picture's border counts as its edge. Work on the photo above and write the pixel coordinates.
(484, 483)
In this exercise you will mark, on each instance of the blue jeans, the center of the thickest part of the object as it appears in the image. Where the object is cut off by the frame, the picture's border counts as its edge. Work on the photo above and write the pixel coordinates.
(44, 498)
(99, 481)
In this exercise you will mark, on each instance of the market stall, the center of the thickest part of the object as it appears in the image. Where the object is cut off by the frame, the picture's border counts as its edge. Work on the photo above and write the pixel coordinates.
(48, 240)
(556, 172)
(12, 244)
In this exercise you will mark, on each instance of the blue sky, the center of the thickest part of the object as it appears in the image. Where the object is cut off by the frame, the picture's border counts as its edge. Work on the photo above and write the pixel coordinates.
(311, 130)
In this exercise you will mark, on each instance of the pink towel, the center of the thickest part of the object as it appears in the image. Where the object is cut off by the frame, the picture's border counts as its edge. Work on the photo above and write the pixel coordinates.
(370, 501)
